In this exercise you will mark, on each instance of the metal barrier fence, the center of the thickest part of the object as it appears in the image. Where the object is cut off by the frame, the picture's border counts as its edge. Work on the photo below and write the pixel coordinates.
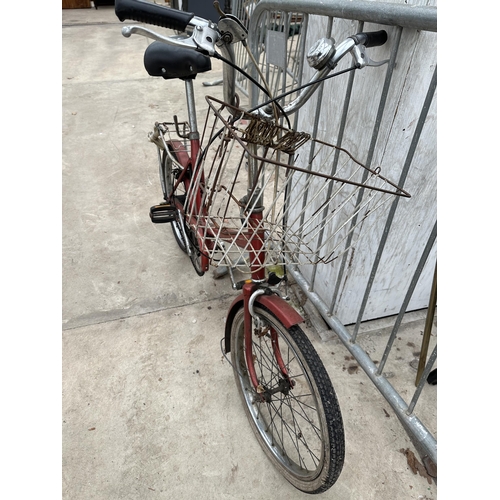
(278, 31)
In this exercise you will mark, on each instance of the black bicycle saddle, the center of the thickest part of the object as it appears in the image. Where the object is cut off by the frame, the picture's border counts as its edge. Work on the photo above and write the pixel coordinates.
(170, 61)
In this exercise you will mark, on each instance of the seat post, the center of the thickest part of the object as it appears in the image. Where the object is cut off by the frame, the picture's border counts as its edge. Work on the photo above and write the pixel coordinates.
(193, 125)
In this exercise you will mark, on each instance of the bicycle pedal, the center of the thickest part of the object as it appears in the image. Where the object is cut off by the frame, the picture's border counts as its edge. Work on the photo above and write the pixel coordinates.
(161, 214)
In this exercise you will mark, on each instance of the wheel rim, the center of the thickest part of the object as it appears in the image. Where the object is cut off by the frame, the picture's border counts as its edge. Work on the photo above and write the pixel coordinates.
(168, 177)
(195, 254)
(178, 234)
(286, 418)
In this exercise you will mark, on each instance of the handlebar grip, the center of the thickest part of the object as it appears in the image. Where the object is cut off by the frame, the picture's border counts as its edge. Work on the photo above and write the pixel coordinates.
(371, 38)
(151, 13)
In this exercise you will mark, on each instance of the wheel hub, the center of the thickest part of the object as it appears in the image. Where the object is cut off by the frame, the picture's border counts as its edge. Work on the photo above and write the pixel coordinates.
(266, 395)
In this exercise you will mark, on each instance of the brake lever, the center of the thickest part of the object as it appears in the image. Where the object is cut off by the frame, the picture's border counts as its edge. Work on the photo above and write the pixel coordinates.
(203, 38)
(362, 59)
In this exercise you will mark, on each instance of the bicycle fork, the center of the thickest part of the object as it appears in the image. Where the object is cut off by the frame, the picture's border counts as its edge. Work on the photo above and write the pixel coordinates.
(254, 327)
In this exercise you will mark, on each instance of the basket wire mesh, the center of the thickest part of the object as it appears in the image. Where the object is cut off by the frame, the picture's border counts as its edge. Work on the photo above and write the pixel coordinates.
(308, 198)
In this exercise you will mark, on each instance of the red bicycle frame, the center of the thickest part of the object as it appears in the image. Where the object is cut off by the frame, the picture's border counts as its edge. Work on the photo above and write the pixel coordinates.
(253, 241)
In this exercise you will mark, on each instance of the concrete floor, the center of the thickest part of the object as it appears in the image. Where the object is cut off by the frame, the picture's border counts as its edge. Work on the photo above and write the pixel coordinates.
(149, 407)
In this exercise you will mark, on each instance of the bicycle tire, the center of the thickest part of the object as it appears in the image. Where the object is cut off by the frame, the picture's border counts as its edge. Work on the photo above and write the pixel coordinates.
(195, 254)
(167, 181)
(307, 419)
(168, 178)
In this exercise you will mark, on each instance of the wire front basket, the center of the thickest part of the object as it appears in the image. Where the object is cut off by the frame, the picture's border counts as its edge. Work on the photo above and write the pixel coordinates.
(272, 196)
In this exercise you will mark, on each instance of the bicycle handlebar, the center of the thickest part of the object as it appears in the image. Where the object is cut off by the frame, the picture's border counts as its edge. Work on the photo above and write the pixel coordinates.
(151, 13)
(371, 38)
(323, 56)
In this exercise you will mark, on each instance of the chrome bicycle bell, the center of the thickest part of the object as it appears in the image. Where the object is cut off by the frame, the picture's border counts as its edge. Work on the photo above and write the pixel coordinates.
(320, 53)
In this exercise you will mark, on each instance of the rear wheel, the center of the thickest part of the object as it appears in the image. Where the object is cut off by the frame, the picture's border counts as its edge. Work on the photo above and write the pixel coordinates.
(183, 234)
(294, 411)
(168, 177)
(195, 254)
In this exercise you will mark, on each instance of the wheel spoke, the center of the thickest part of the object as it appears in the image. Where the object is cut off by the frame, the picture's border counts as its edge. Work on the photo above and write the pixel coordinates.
(294, 438)
(293, 411)
(268, 369)
(304, 416)
(300, 435)
(277, 431)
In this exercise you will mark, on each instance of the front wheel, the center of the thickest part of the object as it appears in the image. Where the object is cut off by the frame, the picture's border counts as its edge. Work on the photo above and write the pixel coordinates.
(294, 411)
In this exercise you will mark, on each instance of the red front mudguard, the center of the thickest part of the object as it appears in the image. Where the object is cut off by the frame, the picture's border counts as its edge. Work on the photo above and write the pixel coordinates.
(285, 313)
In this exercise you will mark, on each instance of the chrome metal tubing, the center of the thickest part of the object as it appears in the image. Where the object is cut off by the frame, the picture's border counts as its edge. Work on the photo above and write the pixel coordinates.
(418, 431)
(409, 294)
(381, 108)
(402, 180)
(228, 75)
(254, 296)
(399, 16)
(406, 16)
(343, 121)
(423, 380)
(190, 99)
(305, 94)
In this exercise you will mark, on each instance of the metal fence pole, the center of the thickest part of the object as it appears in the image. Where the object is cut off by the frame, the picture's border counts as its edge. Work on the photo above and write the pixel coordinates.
(403, 17)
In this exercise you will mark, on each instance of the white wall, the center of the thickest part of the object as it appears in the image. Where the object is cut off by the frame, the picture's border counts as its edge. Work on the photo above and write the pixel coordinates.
(415, 217)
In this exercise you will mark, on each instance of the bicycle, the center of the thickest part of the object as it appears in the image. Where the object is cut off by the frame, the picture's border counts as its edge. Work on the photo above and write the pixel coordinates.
(258, 227)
